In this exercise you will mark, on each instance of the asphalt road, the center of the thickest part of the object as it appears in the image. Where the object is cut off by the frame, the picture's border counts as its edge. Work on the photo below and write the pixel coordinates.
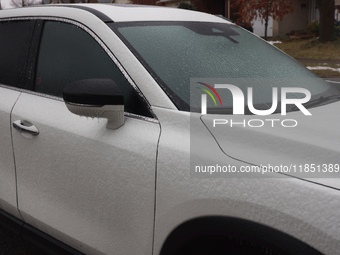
(335, 79)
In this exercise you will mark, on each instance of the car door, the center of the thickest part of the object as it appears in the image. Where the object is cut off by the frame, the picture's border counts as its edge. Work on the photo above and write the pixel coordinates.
(90, 187)
(15, 38)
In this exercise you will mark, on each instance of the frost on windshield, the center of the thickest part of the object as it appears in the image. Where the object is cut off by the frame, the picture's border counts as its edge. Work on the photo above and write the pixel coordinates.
(175, 52)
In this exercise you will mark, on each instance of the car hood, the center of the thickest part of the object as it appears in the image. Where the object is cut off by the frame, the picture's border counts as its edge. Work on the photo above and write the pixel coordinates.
(314, 140)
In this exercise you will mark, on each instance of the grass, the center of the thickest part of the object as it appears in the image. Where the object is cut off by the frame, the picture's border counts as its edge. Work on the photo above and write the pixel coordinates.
(311, 49)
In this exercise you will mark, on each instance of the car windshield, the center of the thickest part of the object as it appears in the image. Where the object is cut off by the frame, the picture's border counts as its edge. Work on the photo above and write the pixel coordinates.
(182, 56)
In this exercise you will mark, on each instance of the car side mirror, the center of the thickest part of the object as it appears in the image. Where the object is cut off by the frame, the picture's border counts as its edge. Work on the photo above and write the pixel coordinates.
(96, 98)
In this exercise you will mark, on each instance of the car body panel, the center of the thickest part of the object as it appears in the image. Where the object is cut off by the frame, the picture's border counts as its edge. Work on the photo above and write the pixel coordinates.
(88, 186)
(123, 13)
(302, 209)
(293, 147)
(8, 200)
(124, 191)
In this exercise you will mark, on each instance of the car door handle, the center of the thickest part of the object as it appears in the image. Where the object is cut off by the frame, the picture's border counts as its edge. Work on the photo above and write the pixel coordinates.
(25, 126)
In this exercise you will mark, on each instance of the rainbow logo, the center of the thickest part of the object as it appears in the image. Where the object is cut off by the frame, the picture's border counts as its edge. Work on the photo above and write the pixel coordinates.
(209, 93)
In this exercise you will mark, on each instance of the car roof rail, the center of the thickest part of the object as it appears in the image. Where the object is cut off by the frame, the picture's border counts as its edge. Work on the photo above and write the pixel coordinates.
(95, 12)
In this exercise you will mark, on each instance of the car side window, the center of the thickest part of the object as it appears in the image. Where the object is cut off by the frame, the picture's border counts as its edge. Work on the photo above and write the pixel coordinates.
(68, 53)
(15, 43)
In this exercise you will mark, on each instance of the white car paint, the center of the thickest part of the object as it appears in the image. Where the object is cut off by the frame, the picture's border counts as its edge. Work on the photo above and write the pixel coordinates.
(100, 190)
(8, 199)
(303, 209)
(86, 185)
(308, 142)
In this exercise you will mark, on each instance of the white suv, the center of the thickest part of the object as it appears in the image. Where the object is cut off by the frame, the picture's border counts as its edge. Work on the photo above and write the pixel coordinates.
(147, 171)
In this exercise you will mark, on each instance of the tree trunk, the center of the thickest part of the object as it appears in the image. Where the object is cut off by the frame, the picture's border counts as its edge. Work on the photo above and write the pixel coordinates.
(326, 9)
(266, 23)
(266, 28)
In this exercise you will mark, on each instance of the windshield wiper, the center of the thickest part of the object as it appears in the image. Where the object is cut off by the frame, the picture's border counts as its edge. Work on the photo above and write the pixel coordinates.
(317, 102)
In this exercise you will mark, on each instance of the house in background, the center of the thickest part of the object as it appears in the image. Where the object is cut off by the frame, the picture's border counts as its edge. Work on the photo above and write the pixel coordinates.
(337, 10)
(219, 7)
(208, 6)
(305, 12)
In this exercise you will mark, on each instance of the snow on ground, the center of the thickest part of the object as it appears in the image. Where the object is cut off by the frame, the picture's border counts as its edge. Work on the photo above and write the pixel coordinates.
(273, 42)
(323, 68)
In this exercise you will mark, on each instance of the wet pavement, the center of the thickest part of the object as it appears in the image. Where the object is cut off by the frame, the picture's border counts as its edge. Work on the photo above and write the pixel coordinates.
(334, 79)
(12, 245)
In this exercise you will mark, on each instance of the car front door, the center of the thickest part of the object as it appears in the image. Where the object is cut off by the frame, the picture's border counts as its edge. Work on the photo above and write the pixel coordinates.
(15, 38)
(91, 187)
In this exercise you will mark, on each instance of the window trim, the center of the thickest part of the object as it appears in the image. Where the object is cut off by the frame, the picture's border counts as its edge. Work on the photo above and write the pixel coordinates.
(153, 119)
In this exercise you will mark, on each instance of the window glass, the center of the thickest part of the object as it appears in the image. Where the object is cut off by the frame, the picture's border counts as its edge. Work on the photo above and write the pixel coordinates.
(68, 54)
(15, 40)
(176, 52)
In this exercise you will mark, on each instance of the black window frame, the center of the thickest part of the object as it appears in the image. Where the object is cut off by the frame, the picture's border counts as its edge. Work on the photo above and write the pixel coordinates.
(28, 84)
(27, 60)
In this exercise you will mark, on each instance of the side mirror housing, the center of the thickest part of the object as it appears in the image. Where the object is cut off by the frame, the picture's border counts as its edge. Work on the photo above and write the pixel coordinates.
(96, 98)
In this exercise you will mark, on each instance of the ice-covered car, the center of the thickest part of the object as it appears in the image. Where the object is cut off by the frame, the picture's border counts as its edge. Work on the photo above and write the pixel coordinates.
(150, 130)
